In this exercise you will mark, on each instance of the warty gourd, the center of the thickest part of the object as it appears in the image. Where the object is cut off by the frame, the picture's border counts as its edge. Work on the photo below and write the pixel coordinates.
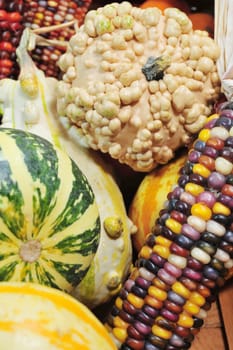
(137, 84)
(30, 104)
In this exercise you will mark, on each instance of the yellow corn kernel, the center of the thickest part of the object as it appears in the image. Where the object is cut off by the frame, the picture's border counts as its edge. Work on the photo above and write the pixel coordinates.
(185, 320)
(211, 117)
(135, 301)
(204, 135)
(162, 251)
(219, 208)
(161, 332)
(39, 15)
(157, 293)
(157, 282)
(120, 333)
(194, 189)
(173, 225)
(200, 169)
(145, 252)
(119, 303)
(163, 241)
(202, 211)
(191, 308)
(119, 323)
(180, 289)
(197, 298)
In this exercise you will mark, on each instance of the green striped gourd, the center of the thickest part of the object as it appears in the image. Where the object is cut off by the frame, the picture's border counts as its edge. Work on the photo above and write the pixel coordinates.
(30, 104)
(49, 219)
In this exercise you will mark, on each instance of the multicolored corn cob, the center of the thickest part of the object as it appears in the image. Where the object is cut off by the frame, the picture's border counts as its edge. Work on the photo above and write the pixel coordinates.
(18, 14)
(187, 257)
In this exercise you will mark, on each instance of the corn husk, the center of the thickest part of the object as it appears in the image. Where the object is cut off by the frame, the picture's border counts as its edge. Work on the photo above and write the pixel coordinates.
(223, 35)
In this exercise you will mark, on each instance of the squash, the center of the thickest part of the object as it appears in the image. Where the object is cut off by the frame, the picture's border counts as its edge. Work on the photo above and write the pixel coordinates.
(138, 83)
(30, 104)
(36, 317)
(150, 197)
(163, 4)
(203, 21)
(49, 219)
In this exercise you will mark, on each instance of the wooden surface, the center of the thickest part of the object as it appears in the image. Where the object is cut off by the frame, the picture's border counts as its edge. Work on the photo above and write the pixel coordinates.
(217, 332)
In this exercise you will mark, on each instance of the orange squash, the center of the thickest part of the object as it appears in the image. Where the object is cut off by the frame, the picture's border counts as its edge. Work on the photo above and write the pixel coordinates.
(203, 21)
(150, 197)
(163, 4)
(36, 317)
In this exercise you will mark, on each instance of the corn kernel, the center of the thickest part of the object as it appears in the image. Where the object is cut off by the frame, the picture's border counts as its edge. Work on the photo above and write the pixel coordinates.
(204, 135)
(194, 189)
(211, 117)
(177, 260)
(39, 15)
(135, 301)
(119, 323)
(197, 298)
(120, 334)
(180, 289)
(155, 303)
(219, 208)
(200, 169)
(145, 252)
(201, 210)
(119, 303)
(157, 282)
(157, 293)
(191, 308)
(162, 251)
(200, 255)
(173, 225)
(161, 332)
(185, 320)
(163, 241)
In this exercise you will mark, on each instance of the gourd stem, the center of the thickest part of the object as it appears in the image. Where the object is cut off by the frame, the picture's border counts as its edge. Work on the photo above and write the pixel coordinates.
(30, 251)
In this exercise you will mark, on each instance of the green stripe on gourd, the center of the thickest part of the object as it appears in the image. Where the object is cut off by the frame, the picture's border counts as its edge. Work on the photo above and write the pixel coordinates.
(49, 220)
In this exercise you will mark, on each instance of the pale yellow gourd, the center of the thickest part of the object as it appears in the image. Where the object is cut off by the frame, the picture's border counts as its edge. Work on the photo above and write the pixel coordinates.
(35, 317)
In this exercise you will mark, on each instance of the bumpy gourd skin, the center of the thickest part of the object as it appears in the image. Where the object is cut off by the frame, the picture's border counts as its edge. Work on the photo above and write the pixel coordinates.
(138, 83)
(189, 254)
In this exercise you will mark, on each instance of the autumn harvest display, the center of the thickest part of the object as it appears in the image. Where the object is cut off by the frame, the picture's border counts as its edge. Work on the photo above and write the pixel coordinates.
(92, 96)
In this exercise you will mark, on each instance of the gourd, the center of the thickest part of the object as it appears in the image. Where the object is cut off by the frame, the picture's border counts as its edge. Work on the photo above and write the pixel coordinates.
(35, 317)
(151, 195)
(163, 4)
(138, 83)
(49, 219)
(30, 104)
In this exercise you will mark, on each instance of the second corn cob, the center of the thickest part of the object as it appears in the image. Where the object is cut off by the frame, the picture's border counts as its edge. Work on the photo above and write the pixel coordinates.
(186, 259)
(15, 15)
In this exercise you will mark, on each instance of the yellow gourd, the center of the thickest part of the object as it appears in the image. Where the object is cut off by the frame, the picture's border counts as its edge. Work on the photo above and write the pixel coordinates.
(35, 317)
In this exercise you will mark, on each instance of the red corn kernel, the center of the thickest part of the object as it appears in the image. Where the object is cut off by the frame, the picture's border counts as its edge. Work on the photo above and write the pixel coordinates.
(14, 17)
(3, 15)
(6, 63)
(208, 162)
(6, 46)
(227, 190)
(215, 143)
